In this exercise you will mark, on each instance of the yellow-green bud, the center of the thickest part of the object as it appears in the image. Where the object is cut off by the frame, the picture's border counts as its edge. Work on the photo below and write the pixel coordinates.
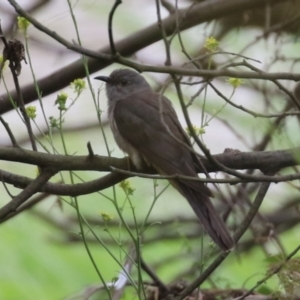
(106, 217)
(197, 130)
(53, 122)
(211, 44)
(61, 100)
(126, 187)
(235, 82)
(31, 112)
(23, 23)
(78, 85)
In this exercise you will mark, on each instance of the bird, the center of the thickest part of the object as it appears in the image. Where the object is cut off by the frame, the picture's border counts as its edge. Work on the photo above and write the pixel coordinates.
(146, 127)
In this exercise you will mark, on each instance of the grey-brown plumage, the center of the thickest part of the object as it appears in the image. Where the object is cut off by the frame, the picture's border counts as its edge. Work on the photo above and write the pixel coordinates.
(146, 126)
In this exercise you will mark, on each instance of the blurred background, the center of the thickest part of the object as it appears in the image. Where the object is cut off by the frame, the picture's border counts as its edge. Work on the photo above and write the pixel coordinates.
(42, 255)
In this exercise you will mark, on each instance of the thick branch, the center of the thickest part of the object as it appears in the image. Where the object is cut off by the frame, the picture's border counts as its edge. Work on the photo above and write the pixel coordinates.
(255, 160)
(235, 160)
(65, 189)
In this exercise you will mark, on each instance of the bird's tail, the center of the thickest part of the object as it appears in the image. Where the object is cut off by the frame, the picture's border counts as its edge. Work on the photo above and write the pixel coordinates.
(209, 217)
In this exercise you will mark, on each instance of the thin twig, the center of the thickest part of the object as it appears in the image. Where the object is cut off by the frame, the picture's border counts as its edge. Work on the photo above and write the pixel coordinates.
(90, 150)
(248, 178)
(164, 35)
(153, 276)
(9, 132)
(260, 282)
(251, 112)
(110, 27)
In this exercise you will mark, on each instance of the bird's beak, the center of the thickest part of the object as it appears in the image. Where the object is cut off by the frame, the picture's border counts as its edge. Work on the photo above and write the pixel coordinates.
(103, 78)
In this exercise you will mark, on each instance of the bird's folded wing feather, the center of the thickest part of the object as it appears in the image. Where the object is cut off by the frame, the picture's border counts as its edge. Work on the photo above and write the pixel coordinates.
(149, 123)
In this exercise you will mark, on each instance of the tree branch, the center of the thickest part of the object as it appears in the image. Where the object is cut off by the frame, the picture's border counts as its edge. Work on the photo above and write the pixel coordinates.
(235, 160)
(32, 188)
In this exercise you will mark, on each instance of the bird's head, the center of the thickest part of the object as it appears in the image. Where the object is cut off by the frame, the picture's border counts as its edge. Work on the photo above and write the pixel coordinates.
(123, 82)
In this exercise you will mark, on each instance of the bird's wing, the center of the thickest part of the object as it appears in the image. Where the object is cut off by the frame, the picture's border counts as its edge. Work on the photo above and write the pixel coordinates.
(147, 121)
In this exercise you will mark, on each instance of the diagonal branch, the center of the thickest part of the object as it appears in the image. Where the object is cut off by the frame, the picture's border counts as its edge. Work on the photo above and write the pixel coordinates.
(65, 189)
(30, 190)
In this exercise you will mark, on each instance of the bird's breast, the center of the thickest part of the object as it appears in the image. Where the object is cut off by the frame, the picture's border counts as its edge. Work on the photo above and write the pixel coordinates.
(124, 144)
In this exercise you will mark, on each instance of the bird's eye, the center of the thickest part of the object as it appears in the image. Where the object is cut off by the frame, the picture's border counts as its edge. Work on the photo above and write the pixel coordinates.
(123, 82)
